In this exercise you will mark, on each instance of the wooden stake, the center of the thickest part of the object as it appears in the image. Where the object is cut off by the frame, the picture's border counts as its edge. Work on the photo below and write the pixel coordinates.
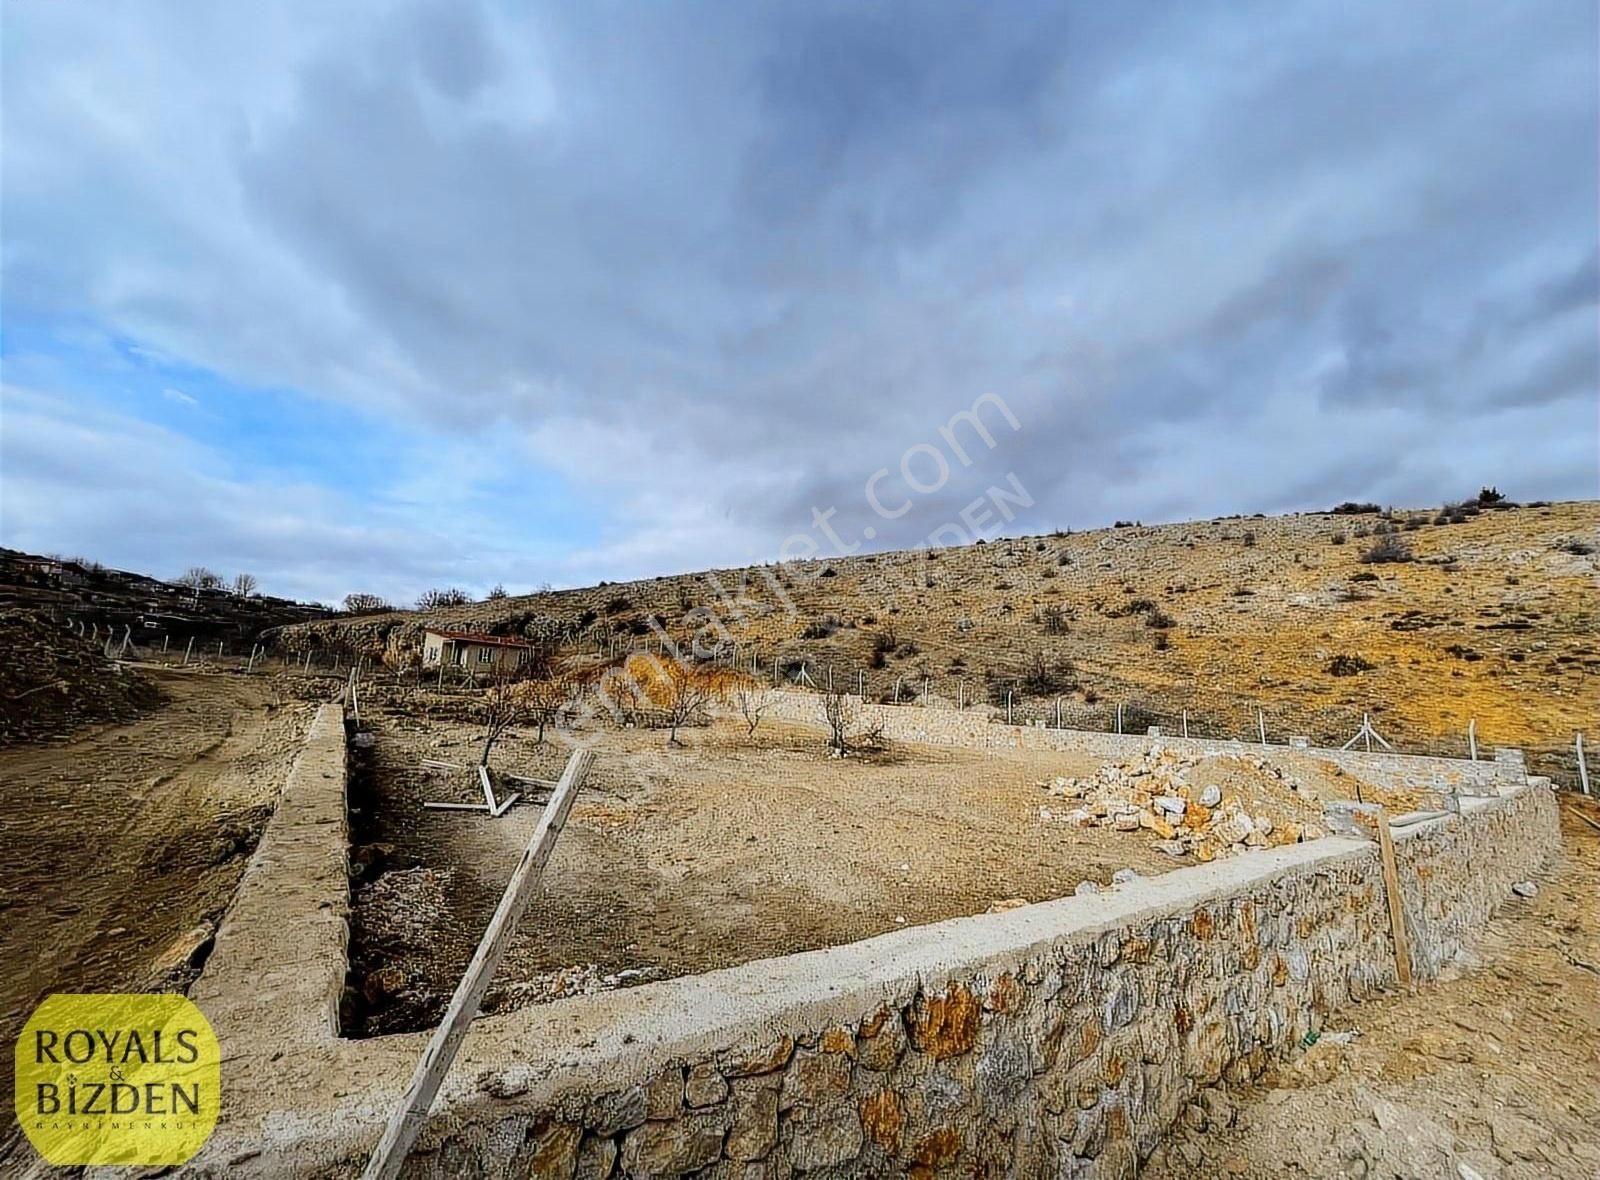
(1397, 913)
(406, 1123)
(1261, 725)
(1186, 723)
(1583, 767)
(1472, 738)
(187, 650)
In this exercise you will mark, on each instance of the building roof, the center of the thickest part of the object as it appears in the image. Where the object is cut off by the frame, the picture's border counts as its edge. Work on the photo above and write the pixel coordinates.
(479, 638)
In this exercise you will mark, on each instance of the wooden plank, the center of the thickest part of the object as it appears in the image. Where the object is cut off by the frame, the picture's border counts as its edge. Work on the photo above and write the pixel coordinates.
(1397, 913)
(523, 780)
(456, 806)
(406, 1123)
(488, 790)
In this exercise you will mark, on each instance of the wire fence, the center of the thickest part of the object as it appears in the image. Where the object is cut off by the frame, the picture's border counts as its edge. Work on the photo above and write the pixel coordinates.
(1195, 710)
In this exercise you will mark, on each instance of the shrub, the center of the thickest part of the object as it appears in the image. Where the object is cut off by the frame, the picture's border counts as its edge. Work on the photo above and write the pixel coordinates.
(1162, 642)
(1490, 495)
(1053, 619)
(1347, 665)
(1352, 508)
(1249, 539)
(1159, 619)
(1387, 549)
(1338, 538)
(820, 628)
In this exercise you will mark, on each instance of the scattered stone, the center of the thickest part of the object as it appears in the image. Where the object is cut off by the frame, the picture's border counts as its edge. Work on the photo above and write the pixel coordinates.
(1006, 904)
(1219, 1108)
(826, 1136)
(1173, 848)
(189, 949)
(704, 1086)
(1086, 889)
(754, 1132)
(610, 1113)
(1211, 796)
(664, 1096)
(1124, 876)
(774, 1056)
(596, 1158)
(673, 1149)
(1525, 889)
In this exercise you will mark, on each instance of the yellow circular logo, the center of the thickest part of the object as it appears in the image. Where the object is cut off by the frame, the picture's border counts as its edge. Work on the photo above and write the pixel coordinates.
(118, 1079)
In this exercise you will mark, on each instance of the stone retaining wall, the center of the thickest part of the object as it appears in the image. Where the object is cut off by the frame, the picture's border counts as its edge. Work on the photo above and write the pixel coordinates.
(1058, 1039)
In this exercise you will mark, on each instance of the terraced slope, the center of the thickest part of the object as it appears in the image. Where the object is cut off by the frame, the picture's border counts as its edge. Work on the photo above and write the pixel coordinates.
(1495, 619)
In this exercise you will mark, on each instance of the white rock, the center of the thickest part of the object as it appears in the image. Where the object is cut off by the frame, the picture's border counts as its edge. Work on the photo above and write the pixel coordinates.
(1211, 796)
(1525, 889)
(1123, 876)
(1171, 804)
(1086, 889)
(1264, 824)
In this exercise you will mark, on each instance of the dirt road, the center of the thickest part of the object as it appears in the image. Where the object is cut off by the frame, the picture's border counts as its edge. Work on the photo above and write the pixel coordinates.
(123, 845)
(1490, 1073)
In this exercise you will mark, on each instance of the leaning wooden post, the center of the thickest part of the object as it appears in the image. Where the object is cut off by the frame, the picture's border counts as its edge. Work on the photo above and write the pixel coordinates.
(1261, 725)
(1472, 738)
(1397, 913)
(1583, 767)
(390, 1154)
(861, 683)
(1058, 712)
(187, 650)
(1008, 706)
(1119, 716)
(219, 649)
(1186, 723)
(165, 639)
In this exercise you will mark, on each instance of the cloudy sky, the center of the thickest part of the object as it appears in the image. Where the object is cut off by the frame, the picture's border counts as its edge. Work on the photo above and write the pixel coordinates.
(400, 295)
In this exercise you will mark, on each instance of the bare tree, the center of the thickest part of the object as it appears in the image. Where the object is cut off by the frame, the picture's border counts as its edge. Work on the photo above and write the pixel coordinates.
(841, 711)
(545, 697)
(753, 701)
(198, 577)
(450, 596)
(496, 594)
(686, 696)
(505, 703)
(244, 585)
(365, 604)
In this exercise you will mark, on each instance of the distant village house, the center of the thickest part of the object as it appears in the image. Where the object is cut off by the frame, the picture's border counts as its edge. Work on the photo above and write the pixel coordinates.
(474, 651)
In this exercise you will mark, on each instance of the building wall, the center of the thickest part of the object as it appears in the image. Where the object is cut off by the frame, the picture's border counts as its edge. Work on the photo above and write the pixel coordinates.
(470, 656)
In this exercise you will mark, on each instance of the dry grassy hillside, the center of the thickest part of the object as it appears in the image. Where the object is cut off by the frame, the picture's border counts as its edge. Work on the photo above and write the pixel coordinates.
(1494, 617)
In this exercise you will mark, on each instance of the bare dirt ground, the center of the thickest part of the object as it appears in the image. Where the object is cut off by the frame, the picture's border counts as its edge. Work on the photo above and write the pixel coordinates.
(731, 848)
(124, 844)
(677, 861)
(1491, 1072)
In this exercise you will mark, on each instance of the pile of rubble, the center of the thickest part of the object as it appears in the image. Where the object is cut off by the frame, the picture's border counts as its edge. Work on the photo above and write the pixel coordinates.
(1255, 806)
(53, 682)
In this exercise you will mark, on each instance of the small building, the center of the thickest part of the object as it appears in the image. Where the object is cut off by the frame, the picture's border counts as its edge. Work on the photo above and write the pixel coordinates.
(474, 651)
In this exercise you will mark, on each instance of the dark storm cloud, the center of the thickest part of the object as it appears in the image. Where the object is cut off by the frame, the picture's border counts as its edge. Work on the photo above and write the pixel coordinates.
(718, 265)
